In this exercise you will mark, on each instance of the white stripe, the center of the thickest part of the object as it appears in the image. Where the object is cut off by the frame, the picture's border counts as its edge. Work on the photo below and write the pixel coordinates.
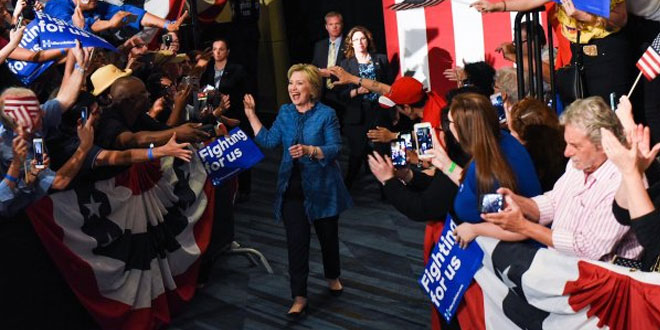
(648, 60)
(21, 102)
(413, 47)
(653, 54)
(468, 34)
(646, 68)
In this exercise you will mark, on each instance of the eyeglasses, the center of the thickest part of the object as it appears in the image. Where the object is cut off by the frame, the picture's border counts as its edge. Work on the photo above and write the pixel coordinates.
(359, 40)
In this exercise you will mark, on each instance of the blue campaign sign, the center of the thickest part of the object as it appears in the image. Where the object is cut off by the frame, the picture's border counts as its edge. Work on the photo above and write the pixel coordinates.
(596, 7)
(228, 156)
(450, 271)
(45, 32)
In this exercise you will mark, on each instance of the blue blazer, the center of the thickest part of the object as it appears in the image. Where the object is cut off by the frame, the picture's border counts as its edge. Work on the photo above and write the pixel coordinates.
(322, 183)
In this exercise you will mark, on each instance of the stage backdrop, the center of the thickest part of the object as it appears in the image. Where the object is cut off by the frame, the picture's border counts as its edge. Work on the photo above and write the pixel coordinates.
(428, 40)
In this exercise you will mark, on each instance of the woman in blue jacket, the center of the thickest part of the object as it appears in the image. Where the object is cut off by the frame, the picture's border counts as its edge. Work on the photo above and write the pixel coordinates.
(310, 189)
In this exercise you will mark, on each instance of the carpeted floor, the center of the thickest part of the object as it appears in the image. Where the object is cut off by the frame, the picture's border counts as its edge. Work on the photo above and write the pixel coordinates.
(381, 261)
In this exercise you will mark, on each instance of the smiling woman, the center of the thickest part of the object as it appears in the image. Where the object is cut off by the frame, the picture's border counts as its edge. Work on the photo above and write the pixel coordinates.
(309, 184)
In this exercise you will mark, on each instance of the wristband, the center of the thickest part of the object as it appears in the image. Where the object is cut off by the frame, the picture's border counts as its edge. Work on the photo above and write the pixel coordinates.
(79, 68)
(150, 153)
(11, 178)
(360, 82)
(452, 167)
(167, 23)
(63, 52)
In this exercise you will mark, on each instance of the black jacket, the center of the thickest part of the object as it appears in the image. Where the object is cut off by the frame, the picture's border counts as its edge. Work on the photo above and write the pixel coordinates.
(320, 58)
(354, 109)
(232, 83)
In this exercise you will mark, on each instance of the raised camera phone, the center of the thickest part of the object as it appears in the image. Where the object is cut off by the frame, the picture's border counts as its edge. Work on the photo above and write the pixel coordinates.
(131, 19)
(398, 150)
(423, 139)
(167, 39)
(84, 115)
(19, 23)
(491, 203)
(498, 103)
(38, 145)
(613, 100)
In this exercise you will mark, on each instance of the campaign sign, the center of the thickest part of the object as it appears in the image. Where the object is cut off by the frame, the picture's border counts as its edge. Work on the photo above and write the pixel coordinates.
(449, 271)
(45, 32)
(596, 7)
(228, 156)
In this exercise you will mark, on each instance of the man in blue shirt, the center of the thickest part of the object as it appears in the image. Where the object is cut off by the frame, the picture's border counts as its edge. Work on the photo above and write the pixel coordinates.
(97, 16)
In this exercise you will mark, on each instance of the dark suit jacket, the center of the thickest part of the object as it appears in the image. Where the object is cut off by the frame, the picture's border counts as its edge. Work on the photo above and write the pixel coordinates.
(233, 83)
(320, 59)
(355, 112)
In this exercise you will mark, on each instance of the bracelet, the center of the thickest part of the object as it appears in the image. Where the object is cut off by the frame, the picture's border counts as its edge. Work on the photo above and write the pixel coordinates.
(63, 52)
(11, 178)
(167, 23)
(360, 82)
(313, 153)
(452, 167)
(78, 67)
(504, 2)
(150, 153)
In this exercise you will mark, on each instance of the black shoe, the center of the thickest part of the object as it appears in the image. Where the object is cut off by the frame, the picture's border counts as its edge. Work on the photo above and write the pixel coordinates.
(336, 293)
(297, 315)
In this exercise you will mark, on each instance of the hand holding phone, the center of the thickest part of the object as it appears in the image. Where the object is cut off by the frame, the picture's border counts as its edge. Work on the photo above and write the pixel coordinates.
(491, 203)
(398, 151)
(424, 139)
(38, 145)
(84, 115)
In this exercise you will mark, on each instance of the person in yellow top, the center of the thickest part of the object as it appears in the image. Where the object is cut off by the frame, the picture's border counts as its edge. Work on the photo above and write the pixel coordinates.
(603, 52)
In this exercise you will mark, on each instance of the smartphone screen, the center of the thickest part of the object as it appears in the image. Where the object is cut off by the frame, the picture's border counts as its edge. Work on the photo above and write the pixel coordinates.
(496, 101)
(84, 114)
(491, 203)
(38, 145)
(613, 100)
(424, 140)
(398, 148)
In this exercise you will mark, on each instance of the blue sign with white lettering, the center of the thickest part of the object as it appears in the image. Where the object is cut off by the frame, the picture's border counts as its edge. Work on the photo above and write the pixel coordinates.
(228, 156)
(450, 270)
(45, 32)
(596, 7)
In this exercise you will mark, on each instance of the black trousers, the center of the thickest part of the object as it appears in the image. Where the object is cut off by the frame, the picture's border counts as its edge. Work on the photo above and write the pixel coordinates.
(298, 231)
(610, 71)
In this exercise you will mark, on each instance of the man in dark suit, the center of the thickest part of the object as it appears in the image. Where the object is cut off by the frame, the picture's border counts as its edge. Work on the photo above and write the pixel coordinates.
(328, 52)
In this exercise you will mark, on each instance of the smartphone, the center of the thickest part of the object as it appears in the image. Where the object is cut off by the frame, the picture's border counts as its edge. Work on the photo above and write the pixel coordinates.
(19, 23)
(423, 139)
(167, 39)
(491, 203)
(398, 151)
(613, 100)
(496, 101)
(130, 19)
(84, 115)
(38, 145)
(407, 138)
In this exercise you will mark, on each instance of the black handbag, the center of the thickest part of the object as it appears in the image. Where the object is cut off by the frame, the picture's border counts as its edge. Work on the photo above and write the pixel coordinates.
(570, 80)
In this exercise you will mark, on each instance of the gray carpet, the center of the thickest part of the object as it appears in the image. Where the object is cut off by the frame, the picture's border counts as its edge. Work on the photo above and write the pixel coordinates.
(381, 260)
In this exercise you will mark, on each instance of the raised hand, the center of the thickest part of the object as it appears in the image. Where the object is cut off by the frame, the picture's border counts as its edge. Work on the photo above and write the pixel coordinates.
(381, 167)
(174, 27)
(249, 105)
(172, 148)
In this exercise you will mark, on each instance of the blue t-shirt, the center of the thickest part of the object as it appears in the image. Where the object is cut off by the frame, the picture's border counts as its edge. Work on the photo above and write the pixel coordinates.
(466, 201)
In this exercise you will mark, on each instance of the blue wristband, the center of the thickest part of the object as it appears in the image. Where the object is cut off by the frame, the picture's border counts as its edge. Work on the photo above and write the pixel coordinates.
(167, 23)
(63, 52)
(11, 178)
(150, 153)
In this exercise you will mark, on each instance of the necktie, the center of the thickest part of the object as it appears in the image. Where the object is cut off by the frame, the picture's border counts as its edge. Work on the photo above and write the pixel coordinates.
(332, 59)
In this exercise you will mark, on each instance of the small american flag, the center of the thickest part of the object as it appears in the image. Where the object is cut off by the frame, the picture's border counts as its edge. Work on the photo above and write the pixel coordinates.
(410, 4)
(649, 64)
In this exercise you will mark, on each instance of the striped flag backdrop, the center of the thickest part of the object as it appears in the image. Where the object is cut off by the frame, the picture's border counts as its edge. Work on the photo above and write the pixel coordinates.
(428, 40)
(526, 287)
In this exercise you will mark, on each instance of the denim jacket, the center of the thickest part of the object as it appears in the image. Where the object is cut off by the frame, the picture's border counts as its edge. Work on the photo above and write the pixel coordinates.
(322, 183)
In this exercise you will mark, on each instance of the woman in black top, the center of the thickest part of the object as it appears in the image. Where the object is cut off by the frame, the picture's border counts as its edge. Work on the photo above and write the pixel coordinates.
(362, 109)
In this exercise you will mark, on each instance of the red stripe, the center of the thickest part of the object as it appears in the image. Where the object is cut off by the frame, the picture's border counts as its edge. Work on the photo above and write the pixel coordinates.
(652, 56)
(392, 36)
(470, 313)
(140, 177)
(651, 71)
(440, 41)
(646, 74)
(497, 29)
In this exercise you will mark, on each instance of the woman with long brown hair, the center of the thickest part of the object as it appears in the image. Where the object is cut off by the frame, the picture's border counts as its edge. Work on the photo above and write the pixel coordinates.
(497, 159)
(362, 109)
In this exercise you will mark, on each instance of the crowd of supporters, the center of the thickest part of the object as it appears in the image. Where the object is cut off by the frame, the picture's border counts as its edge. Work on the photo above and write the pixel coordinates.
(583, 182)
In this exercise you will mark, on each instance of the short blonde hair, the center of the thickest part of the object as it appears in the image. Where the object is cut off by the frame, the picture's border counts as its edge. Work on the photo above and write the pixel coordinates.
(590, 115)
(506, 80)
(313, 76)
